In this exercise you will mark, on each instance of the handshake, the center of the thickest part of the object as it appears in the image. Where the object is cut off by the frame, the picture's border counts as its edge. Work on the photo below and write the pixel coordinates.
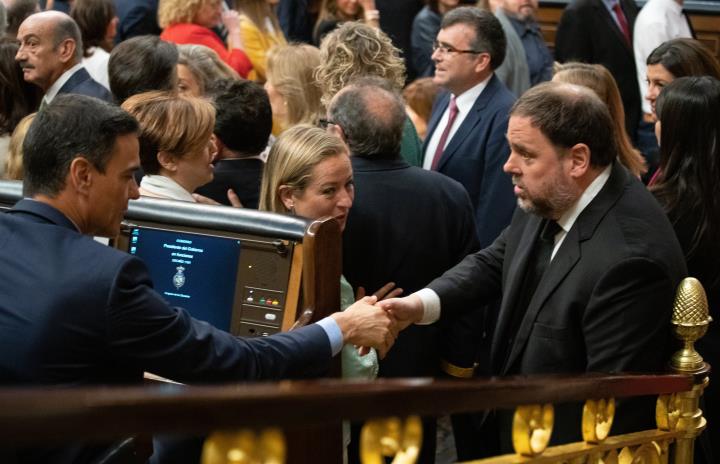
(373, 322)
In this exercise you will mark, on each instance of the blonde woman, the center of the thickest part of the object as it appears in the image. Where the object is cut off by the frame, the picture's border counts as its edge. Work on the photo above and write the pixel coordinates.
(598, 79)
(191, 22)
(294, 93)
(356, 50)
(335, 12)
(176, 147)
(14, 161)
(260, 31)
(198, 67)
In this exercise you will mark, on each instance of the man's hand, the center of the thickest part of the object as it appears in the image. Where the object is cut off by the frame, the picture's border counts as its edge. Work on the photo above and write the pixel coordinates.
(385, 292)
(363, 324)
(405, 311)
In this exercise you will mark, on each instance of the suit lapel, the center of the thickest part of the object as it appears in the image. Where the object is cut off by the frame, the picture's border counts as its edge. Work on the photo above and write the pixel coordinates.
(471, 121)
(438, 110)
(604, 14)
(76, 79)
(566, 258)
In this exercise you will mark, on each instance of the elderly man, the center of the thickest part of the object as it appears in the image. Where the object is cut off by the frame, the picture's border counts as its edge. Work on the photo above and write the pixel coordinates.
(587, 269)
(50, 55)
(97, 319)
(466, 132)
(521, 14)
(369, 114)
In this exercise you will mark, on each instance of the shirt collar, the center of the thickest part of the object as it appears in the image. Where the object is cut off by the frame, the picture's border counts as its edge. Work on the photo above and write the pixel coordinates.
(569, 217)
(57, 85)
(466, 100)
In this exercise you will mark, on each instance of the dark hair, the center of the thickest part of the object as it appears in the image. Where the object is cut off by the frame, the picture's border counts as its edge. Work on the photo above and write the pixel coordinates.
(372, 115)
(71, 126)
(687, 109)
(141, 64)
(569, 114)
(66, 28)
(243, 118)
(93, 18)
(17, 97)
(17, 12)
(685, 57)
(489, 35)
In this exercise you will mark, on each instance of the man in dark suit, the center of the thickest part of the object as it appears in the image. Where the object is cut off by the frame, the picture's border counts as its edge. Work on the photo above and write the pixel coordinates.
(386, 240)
(50, 55)
(587, 269)
(600, 31)
(243, 124)
(73, 311)
(466, 131)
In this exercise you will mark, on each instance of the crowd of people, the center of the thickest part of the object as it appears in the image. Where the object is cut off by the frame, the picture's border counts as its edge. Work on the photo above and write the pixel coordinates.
(537, 208)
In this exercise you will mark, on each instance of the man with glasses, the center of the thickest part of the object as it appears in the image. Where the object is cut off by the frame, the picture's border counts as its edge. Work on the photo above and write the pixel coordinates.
(466, 133)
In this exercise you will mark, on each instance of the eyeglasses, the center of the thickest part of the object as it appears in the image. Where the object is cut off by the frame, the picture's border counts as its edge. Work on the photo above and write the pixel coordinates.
(445, 49)
(324, 123)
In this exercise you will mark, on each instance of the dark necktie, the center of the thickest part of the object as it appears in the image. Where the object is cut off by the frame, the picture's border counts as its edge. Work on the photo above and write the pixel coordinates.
(622, 20)
(537, 265)
(453, 111)
(689, 23)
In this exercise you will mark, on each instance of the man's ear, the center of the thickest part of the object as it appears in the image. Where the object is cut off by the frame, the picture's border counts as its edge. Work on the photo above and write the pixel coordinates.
(285, 192)
(337, 130)
(66, 49)
(167, 161)
(579, 158)
(483, 62)
(81, 175)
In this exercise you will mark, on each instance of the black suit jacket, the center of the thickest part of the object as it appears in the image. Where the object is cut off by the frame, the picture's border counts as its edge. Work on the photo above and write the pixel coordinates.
(604, 303)
(81, 83)
(241, 175)
(407, 225)
(476, 154)
(588, 33)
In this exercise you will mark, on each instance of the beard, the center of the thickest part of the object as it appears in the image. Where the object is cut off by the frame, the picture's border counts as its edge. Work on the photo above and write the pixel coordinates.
(556, 198)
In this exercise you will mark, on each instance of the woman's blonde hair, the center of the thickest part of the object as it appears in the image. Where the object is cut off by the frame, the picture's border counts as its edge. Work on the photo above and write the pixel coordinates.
(291, 161)
(355, 50)
(179, 11)
(205, 65)
(598, 79)
(290, 69)
(176, 124)
(14, 162)
(257, 11)
(329, 12)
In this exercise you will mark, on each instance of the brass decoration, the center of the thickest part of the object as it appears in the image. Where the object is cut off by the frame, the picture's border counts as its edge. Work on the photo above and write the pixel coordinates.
(667, 412)
(392, 437)
(690, 321)
(532, 428)
(244, 447)
(648, 453)
(597, 419)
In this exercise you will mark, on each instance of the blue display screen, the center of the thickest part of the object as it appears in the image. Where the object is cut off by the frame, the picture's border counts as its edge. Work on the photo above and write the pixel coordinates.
(196, 272)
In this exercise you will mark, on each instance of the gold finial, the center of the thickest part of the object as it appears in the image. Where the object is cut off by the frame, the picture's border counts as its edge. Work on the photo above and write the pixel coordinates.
(597, 419)
(244, 447)
(690, 321)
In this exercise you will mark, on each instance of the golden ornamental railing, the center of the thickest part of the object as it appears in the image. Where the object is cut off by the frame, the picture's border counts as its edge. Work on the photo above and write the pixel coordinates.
(256, 423)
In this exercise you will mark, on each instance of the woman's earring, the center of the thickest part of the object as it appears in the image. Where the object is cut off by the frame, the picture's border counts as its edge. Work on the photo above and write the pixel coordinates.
(292, 209)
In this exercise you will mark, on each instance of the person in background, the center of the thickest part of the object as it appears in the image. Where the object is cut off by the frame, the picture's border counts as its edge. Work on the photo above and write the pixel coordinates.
(522, 15)
(597, 78)
(176, 146)
(294, 93)
(192, 22)
(141, 64)
(297, 19)
(14, 163)
(358, 50)
(688, 129)
(419, 98)
(198, 68)
(242, 127)
(260, 31)
(136, 17)
(424, 31)
(17, 12)
(17, 97)
(335, 12)
(670, 60)
(97, 21)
